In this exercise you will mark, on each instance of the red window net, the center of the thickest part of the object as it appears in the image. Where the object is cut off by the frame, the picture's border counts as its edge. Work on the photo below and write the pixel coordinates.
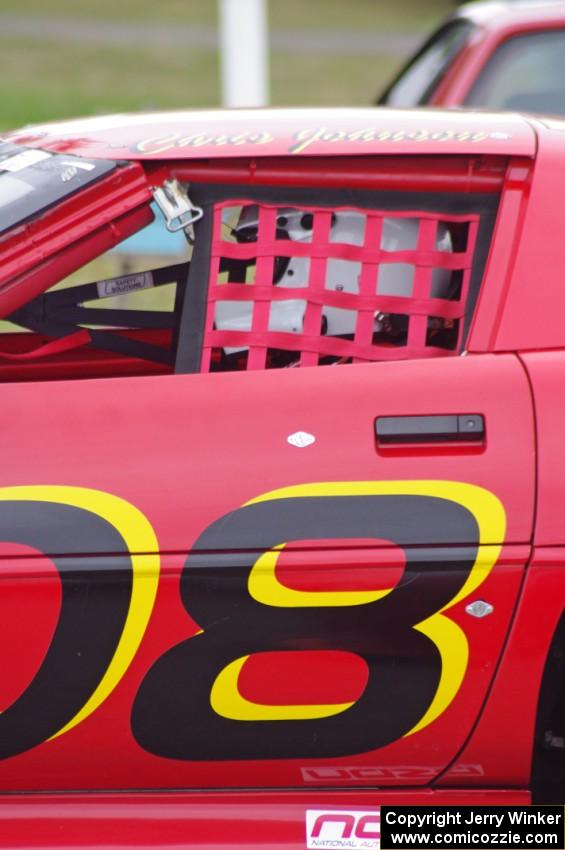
(310, 285)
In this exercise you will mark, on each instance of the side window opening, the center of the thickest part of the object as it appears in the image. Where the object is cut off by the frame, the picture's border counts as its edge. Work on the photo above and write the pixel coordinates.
(120, 307)
(304, 285)
(276, 278)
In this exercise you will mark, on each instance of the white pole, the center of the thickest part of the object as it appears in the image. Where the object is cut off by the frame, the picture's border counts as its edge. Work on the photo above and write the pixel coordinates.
(244, 52)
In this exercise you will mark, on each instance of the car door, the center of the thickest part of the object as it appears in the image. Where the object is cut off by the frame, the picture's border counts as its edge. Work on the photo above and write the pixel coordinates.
(284, 578)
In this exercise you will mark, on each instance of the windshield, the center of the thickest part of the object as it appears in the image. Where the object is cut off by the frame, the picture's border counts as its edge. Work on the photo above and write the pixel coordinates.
(419, 79)
(525, 73)
(32, 180)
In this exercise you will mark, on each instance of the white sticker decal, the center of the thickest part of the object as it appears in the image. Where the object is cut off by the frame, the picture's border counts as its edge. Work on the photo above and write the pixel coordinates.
(344, 828)
(125, 284)
(301, 439)
(69, 173)
(85, 166)
(23, 160)
(364, 773)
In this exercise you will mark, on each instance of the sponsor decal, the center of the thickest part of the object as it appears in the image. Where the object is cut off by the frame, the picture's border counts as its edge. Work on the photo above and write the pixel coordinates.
(123, 285)
(68, 174)
(378, 773)
(306, 138)
(343, 828)
(303, 140)
(23, 160)
(367, 773)
(260, 620)
(84, 166)
(160, 144)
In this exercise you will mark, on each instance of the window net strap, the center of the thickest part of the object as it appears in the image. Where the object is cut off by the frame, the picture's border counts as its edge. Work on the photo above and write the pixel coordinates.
(442, 250)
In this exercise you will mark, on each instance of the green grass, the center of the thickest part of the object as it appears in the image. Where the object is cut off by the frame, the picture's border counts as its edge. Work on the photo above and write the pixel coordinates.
(294, 14)
(43, 82)
(366, 15)
(43, 79)
(327, 80)
(167, 11)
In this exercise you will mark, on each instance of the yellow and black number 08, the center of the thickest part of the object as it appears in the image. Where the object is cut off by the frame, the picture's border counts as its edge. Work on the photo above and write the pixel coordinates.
(188, 705)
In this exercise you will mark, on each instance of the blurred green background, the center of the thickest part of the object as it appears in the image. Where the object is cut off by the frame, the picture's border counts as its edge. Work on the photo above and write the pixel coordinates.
(63, 58)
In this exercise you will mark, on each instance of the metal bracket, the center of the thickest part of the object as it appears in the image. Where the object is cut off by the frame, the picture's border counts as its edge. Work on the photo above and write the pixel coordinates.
(177, 208)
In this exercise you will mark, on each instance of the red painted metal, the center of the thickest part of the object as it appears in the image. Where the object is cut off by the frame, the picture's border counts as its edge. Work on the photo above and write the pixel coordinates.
(501, 747)
(469, 174)
(16, 364)
(110, 417)
(502, 257)
(187, 450)
(210, 821)
(544, 371)
(298, 133)
(528, 314)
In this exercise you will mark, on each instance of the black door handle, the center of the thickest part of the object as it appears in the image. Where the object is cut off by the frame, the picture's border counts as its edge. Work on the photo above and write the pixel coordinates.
(463, 427)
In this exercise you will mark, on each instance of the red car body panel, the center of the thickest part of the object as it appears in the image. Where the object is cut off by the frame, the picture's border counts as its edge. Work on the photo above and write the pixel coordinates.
(208, 821)
(199, 599)
(542, 367)
(260, 461)
(503, 745)
(293, 132)
(541, 252)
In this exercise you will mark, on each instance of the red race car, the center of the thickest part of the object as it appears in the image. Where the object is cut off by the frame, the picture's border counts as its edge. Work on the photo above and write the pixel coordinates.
(491, 55)
(282, 521)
